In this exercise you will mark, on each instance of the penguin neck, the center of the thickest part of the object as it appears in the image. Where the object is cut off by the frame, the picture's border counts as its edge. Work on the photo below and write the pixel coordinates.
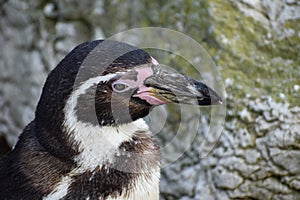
(107, 146)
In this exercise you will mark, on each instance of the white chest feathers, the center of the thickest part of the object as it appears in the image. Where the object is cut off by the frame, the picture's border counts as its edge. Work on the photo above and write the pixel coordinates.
(145, 187)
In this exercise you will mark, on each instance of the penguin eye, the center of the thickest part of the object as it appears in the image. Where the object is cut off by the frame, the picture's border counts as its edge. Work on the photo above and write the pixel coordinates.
(120, 87)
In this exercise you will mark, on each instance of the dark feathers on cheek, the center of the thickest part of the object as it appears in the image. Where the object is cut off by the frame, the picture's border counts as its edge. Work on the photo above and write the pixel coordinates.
(114, 108)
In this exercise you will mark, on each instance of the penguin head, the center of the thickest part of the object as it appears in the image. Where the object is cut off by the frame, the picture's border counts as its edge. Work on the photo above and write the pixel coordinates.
(128, 85)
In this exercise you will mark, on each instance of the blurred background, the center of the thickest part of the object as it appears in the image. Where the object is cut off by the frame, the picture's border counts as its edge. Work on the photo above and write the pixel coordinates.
(255, 45)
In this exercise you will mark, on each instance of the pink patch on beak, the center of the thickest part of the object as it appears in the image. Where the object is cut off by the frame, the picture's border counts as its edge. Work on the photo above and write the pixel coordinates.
(143, 93)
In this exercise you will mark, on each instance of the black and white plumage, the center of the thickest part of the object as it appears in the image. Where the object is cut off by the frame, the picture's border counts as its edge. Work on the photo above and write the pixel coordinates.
(88, 139)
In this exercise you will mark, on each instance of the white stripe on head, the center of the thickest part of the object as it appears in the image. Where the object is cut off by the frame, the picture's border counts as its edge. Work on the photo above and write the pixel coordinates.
(97, 144)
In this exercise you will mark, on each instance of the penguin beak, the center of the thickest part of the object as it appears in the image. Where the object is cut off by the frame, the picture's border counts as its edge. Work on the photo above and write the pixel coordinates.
(167, 87)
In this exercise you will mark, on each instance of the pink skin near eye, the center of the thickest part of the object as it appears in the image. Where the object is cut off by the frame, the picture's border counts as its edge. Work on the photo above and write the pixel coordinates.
(143, 91)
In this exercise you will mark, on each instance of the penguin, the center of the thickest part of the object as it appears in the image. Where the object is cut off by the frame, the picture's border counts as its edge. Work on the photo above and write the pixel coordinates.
(88, 139)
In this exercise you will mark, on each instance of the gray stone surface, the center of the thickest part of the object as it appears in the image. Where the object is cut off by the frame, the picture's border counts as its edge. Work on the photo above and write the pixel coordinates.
(255, 44)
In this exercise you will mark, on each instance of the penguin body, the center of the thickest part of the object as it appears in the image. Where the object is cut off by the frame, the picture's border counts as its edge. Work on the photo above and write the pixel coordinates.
(88, 139)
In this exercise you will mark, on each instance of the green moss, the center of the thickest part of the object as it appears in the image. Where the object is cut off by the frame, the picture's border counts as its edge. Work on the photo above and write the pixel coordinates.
(258, 65)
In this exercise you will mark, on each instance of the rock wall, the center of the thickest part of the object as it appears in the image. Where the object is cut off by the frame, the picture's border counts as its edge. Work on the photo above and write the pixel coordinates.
(256, 45)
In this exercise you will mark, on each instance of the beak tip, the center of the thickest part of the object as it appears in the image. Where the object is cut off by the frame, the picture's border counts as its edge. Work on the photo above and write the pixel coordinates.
(216, 101)
(214, 97)
(220, 102)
